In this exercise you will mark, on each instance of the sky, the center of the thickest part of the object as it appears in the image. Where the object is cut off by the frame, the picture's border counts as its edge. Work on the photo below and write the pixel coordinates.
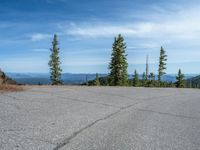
(86, 31)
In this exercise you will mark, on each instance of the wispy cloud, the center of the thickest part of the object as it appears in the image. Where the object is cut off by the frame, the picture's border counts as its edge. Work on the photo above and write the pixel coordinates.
(144, 46)
(179, 25)
(183, 29)
(39, 36)
(85, 38)
(106, 30)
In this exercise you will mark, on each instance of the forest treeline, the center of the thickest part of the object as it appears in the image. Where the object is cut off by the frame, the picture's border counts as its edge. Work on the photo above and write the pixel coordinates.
(117, 66)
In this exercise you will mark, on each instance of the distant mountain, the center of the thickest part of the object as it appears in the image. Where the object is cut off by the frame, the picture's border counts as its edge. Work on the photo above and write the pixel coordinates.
(30, 78)
(194, 82)
(70, 78)
(172, 77)
(43, 78)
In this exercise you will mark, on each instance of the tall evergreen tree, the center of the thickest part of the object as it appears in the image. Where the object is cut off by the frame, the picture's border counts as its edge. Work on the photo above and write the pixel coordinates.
(151, 76)
(136, 79)
(180, 83)
(97, 82)
(151, 82)
(54, 63)
(118, 65)
(162, 64)
(144, 79)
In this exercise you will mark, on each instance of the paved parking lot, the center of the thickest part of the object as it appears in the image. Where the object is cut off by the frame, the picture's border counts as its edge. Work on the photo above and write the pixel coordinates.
(100, 118)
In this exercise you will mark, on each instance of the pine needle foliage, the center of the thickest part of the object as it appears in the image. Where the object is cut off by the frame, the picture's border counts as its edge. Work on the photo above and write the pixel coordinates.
(118, 65)
(136, 81)
(144, 80)
(54, 63)
(180, 83)
(162, 64)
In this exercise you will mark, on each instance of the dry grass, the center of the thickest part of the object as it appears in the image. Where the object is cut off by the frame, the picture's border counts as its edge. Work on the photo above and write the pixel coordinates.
(10, 88)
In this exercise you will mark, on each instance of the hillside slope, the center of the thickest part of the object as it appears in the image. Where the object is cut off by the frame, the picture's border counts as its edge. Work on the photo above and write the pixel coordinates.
(194, 82)
(5, 79)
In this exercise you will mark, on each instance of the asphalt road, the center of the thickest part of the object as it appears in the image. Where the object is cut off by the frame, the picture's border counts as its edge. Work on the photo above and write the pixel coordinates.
(100, 118)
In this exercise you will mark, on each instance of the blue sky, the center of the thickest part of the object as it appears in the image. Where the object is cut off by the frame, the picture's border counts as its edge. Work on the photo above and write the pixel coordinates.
(86, 29)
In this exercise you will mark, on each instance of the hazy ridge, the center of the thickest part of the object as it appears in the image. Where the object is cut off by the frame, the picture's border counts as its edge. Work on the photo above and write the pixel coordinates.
(72, 78)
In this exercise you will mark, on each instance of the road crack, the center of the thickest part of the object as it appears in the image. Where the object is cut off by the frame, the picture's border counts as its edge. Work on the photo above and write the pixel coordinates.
(68, 139)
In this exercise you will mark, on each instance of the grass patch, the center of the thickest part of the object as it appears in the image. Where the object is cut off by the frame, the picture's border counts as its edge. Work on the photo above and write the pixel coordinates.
(10, 88)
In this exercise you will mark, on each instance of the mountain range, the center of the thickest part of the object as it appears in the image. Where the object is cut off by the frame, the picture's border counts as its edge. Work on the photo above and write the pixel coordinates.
(194, 82)
(71, 78)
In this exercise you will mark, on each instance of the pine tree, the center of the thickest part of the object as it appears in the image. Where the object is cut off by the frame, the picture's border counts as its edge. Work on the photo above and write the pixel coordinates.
(97, 82)
(180, 83)
(144, 79)
(152, 76)
(118, 65)
(162, 64)
(135, 79)
(151, 82)
(54, 63)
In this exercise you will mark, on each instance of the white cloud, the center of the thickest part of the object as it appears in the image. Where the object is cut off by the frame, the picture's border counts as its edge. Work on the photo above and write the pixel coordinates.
(40, 36)
(179, 24)
(181, 29)
(144, 46)
(105, 30)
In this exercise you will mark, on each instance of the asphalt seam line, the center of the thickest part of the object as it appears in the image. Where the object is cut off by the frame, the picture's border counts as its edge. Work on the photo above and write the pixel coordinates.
(67, 140)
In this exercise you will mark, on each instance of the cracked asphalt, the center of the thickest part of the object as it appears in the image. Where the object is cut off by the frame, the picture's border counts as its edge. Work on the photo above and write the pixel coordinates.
(100, 118)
